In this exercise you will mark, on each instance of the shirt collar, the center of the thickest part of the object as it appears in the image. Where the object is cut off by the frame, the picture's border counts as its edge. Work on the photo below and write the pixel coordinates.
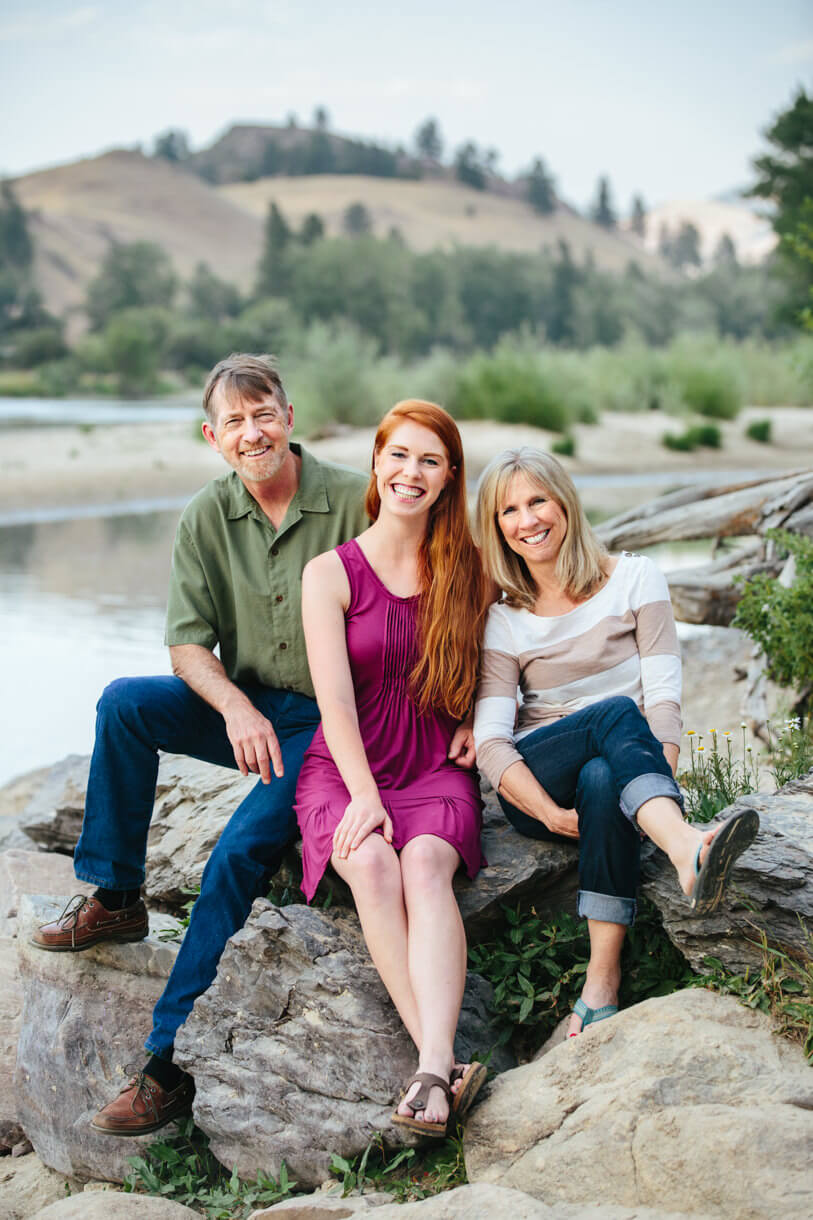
(310, 496)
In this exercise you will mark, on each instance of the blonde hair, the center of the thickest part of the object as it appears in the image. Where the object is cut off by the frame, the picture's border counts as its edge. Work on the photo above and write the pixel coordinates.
(580, 565)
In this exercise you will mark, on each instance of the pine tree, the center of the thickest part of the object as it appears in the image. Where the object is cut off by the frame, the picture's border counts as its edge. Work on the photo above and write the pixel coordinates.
(602, 211)
(356, 220)
(428, 140)
(273, 268)
(638, 219)
(541, 190)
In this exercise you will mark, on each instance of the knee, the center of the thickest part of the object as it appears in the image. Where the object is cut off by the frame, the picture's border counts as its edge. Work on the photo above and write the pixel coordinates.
(622, 706)
(596, 786)
(374, 873)
(428, 865)
(120, 695)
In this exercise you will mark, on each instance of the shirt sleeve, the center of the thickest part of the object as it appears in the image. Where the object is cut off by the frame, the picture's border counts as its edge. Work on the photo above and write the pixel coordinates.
(495, 707)
(191, 616)
(659, 650)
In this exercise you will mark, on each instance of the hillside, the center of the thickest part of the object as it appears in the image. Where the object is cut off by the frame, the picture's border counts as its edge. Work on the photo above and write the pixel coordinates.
(752, 234)
(78, 209)
(437, 213)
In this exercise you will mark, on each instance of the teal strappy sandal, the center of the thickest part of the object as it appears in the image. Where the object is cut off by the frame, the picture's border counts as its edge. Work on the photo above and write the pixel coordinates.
(589, 1016)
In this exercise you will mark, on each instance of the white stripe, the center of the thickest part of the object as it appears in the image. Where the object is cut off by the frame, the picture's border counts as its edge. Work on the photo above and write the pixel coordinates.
(660, 679)
(494, 717)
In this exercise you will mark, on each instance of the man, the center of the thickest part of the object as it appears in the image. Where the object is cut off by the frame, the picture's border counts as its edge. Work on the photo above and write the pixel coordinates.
(241, 545)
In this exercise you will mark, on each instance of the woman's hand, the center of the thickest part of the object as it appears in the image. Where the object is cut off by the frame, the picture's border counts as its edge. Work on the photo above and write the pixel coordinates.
(561, 821)
(461, 749)
(360, 819)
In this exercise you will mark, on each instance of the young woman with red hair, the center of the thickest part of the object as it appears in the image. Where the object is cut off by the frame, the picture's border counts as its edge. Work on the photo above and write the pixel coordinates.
(393, 621)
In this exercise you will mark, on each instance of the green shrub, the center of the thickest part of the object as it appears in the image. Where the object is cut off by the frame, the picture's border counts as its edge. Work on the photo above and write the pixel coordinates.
(511, 386)
(706, 435)
(709, 389)
(759, 430)
(565, 446)
(779, 618)
(682, 442)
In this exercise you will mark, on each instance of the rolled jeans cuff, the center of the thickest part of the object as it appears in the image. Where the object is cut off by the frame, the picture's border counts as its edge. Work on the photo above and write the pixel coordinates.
(642, 789)
(607, 907)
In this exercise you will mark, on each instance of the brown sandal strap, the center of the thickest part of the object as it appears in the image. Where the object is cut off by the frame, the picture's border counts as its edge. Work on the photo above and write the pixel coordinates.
(427, 1081)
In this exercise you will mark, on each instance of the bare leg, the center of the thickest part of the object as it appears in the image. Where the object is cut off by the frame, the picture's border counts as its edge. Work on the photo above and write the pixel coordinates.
(373, 873)
(436, 955)
(603, 976)
(660, 818)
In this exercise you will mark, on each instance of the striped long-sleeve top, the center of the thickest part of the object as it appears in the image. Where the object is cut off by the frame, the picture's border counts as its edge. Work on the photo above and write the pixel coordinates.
(621, 641)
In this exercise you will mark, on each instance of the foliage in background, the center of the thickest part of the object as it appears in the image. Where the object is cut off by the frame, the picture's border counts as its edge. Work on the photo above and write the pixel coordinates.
(706, 435)
(716, 776)
(779, 618)
(759, 430)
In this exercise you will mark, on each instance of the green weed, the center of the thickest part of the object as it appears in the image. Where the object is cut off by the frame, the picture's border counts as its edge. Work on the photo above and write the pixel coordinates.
(716, 777)
(759, 430)
(182, 1168)
(409, 1174)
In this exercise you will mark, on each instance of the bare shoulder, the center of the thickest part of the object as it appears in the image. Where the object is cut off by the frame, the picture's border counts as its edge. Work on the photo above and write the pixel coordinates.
(324, 576)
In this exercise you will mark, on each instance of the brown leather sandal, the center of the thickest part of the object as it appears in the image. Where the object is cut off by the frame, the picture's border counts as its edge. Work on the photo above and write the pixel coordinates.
(472, 1078)
(427, 1081)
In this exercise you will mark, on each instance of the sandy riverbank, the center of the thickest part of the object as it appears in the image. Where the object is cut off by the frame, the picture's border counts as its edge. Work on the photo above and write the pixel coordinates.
(61, 467)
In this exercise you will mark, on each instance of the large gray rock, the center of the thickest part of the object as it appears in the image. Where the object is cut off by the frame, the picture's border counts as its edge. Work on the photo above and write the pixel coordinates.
(84, 1019)
(11, 1002)
(296, 1048)
(33, 872)
(52, 816)
(14, 796)
(478, 1201)
(26, 1186)
(771, 889)
(686, 1101)
(113, 1205)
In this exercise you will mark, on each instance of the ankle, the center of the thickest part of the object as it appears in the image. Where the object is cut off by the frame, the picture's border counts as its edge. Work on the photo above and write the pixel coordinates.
(116, 900)
(165, 1072)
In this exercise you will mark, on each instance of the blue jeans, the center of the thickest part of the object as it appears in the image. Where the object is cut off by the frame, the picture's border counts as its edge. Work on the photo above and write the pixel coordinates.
(605, 762)
(137, 717)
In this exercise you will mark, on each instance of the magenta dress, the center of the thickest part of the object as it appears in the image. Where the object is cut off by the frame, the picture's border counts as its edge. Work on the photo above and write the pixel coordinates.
(422, 791)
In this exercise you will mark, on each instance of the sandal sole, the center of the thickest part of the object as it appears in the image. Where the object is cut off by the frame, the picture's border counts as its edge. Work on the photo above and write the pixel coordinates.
(735, 836)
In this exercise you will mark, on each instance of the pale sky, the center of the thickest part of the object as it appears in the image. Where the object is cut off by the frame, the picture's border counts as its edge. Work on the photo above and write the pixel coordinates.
(668, 99)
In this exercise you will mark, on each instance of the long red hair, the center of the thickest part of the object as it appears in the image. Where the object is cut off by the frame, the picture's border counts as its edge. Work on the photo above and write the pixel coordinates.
(453, 587)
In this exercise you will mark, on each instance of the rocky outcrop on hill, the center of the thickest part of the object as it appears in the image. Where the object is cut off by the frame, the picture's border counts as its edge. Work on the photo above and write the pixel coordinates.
(84, 1020)
(771, 892)
(296, 1048)
(664, 1104)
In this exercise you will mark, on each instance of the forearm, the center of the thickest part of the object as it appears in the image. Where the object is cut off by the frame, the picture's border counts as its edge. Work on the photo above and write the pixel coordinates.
(203, 673)
(671, 752)
(520, 786)
(341, 728)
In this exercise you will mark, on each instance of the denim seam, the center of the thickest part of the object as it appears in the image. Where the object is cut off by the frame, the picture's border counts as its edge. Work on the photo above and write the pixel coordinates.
(105, 882)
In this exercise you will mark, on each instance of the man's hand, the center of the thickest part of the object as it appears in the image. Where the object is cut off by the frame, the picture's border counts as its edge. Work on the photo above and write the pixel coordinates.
(461, 749)
(253, 740)
(360, 819)
(562, 821)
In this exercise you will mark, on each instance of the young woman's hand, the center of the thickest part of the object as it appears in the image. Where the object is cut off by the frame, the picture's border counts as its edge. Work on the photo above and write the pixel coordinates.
(461, 749)
(361, 817)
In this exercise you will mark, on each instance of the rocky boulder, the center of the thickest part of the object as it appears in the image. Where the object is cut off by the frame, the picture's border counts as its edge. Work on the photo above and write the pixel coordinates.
(113, 1205)
(52, 816)
(84, 1020)
(686, 1100)
(33, 872)
(296, 1049)
(771, 890)
(27, 1186)
(11, 1002)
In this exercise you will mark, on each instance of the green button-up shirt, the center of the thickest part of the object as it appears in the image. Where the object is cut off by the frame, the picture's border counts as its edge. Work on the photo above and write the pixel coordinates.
(237, 581)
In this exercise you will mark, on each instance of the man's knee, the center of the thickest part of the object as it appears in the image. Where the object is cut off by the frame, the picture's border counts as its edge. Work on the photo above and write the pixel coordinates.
(596, 790)
(123, 695)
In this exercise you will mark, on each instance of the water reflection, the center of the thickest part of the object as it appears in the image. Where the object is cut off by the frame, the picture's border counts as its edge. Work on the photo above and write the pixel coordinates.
(81, 602)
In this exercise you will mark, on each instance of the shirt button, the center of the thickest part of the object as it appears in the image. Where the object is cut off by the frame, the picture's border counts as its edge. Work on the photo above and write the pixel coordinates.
(278, 598)
(275, 550)
(283, 646)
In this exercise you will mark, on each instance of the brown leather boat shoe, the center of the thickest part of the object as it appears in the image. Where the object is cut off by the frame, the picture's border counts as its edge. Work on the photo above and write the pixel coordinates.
(85, 922)
(143, 1106)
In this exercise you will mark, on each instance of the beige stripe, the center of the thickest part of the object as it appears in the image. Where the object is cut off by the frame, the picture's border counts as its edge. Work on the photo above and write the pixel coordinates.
(499, 674)
(664, 720)
(656, 629)
(533, 716)
(604, 646)
(495, 757)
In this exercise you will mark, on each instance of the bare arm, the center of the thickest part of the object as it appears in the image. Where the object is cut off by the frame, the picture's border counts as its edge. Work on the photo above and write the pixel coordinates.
(325, 596)
(251, 734)
(672, 752)
(520, 786)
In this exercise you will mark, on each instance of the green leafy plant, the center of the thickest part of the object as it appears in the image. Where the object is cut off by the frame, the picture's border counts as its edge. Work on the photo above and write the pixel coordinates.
(778, 617)
(791, 747)
(177, 933)
(707, 436)
(565, 446)
(182, 1168)
(759, 430)
(716, 777)
(412, 1173)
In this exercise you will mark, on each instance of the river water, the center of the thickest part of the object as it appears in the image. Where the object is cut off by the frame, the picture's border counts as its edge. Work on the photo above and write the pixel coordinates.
(82, 597)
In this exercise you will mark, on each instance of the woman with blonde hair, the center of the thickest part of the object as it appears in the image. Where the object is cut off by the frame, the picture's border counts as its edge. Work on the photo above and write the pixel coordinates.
(393, 622)
(590, 640)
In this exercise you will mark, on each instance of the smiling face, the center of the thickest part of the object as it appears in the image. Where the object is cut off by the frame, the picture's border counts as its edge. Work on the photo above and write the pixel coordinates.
(251, 436)
(411, 468)
(533, 525)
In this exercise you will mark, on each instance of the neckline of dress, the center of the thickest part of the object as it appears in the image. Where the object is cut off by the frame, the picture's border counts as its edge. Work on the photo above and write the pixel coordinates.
(393, 596)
